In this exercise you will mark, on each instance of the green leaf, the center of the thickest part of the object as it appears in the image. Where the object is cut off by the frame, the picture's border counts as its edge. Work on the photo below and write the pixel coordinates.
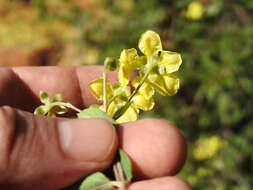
(96, 181)
(121, 111)
(57, 98)
(41, 110)
(126, 165)
(44, 97)
(94, 112)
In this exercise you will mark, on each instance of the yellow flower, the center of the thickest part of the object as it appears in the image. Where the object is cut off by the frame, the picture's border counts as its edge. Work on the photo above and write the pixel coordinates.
(162, 64)
(150, 43)
(208, 147)
(166, 85)
(114, 106)
(141, 102)
(113, 91)
(117, 97)
(130, 115)
(96, 88)
(170, 60)
(144, 97)
(195, 10)
(155, 70)
(128, 62)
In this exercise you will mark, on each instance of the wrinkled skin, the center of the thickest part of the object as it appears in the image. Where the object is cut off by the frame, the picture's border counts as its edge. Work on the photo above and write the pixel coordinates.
(41, 153)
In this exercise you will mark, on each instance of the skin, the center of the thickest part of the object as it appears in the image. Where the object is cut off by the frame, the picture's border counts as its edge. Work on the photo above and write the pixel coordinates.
(39, 152)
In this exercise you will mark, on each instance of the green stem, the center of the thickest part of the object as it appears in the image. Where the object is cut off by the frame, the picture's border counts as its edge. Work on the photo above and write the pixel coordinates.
(69, 105)
(111, 100)
(138, 87)
(104, 91)
(142, 80)
(119, 112)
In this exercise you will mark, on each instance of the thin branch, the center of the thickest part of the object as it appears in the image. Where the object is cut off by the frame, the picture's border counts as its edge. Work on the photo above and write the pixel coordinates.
(68, 105)
(119, 175)
(104, 91)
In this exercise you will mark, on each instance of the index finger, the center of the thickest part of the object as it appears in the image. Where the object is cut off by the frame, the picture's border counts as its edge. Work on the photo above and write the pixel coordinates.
(20, 86)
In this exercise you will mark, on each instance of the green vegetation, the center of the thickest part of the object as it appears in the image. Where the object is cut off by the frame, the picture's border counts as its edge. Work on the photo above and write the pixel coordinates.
(214, 104)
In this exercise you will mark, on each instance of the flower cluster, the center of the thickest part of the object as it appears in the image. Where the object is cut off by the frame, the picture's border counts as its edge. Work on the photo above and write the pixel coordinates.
(123, 100)
(154, 73)
(52, 106)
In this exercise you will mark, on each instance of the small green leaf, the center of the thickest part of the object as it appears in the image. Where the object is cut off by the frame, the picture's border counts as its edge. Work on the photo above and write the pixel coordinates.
(121, 111)
(96, 181)
(94, 112)
(44, 97)
(57, 98)
(52, 106)
(41, 110)
(126, 165)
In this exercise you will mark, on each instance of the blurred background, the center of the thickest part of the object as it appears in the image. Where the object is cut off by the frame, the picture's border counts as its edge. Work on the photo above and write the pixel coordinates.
(214, 107)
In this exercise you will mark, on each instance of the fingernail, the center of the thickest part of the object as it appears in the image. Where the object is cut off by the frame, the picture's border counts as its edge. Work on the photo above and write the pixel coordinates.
(86, 139)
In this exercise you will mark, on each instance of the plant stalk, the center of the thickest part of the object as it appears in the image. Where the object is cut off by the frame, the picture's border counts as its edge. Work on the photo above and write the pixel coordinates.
(119, 175)
(69, 105)
(105, 91)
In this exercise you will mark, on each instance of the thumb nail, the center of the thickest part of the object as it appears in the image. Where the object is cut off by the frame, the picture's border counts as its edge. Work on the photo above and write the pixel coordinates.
(87, 139)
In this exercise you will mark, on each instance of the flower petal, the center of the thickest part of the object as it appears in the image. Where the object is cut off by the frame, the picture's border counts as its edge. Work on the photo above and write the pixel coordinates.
(166, 85)
(146, 89)
(129, 61)
(115, 105)
(124, 76)
(171, 61)
(130, 115)
(96, 88)
(142, 102)
(150, 43)
(119, 90)
(128, 57)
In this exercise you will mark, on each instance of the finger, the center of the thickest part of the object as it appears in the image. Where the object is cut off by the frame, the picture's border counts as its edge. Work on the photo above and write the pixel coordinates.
(38, 152)
(20, 86)
(164, 183)
(156, 147)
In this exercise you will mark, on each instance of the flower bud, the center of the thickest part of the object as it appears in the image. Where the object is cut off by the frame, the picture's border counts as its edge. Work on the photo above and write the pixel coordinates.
(111, 64)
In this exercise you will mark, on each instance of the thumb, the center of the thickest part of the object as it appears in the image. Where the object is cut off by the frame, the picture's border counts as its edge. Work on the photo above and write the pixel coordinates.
(38, 152)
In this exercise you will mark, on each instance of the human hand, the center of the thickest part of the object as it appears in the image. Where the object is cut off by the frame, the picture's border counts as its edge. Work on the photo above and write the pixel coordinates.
(37, 152)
